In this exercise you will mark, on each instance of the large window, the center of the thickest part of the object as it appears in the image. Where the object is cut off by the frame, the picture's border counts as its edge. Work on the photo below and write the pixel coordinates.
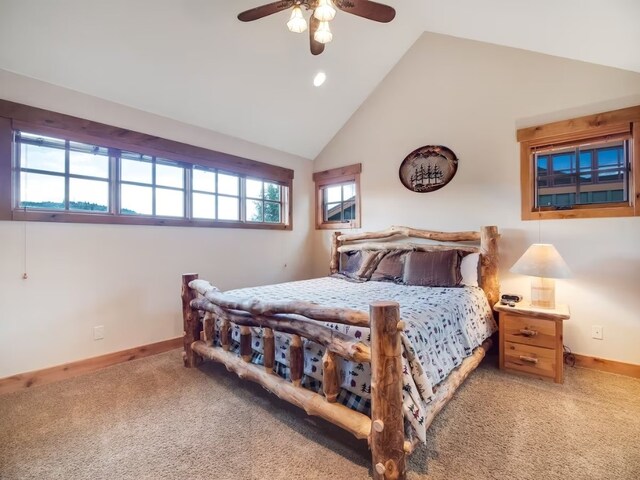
(584, 167)
(61, 179)
(49, 173)
(59, 168)
(338, 197)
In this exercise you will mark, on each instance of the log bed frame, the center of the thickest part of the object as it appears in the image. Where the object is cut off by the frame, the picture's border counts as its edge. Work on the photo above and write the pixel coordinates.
(385, 429)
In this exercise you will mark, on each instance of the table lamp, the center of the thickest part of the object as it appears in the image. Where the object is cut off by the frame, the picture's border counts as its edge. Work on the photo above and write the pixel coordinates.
(542, 261)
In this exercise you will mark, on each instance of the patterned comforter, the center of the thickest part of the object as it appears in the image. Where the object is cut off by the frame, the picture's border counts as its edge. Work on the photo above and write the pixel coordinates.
(443, 327)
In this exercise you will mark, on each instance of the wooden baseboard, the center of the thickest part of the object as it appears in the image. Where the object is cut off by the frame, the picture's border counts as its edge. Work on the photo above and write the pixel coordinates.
(80, 367)
(610, 366)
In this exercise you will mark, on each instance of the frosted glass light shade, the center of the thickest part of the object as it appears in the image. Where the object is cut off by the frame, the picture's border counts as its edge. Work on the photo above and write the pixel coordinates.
(297, 23)
(324, 11)
(542, 260)
(323, 33)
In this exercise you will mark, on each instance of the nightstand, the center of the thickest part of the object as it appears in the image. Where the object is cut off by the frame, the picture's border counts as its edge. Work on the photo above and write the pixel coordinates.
(531, 340)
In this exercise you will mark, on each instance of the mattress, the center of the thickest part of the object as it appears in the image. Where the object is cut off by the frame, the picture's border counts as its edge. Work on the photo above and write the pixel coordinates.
(443, 327)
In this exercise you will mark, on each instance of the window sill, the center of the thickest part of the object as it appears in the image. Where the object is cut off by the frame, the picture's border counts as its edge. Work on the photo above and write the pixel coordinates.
(338, 225)
(78, 217)
(584, 212)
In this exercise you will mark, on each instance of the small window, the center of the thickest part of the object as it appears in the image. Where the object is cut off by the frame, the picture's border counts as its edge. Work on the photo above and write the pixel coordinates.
(216, 195)
(151, 186)
(339, 203)
(228, 196)
(572, 169)
(264, 201)
(338, 197)
(598, 177)
(57, 174)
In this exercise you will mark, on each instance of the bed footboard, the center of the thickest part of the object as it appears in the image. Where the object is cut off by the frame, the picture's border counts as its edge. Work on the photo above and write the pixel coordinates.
(384, 431)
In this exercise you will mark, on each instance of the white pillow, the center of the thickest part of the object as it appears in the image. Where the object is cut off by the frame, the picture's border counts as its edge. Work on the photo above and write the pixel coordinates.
(469, 269)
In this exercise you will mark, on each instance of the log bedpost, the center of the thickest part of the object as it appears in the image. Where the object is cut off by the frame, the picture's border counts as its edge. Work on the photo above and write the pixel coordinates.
(269, 350)
(490, 282)
(387, 430)
(208, 328)
(296, 360)
(330, 376)
(334, 265)
(245, 343)
(225, 334)
(190, 317)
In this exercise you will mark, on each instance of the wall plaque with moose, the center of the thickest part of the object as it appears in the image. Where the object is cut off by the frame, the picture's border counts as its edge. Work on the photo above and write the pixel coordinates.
(428, 168)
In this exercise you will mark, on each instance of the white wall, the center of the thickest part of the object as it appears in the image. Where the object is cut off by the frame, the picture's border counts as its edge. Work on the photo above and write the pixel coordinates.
(467, 95)
(127, 278)
(472, 97)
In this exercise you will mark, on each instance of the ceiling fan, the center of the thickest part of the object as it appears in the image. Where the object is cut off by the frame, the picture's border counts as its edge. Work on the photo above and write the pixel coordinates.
(322, 12)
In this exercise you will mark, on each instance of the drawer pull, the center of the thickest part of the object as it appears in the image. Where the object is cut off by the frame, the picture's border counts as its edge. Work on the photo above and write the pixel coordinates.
(524, 358)
(528, 333)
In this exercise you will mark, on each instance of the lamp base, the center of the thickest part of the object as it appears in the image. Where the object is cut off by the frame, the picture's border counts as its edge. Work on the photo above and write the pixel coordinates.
(543, 292)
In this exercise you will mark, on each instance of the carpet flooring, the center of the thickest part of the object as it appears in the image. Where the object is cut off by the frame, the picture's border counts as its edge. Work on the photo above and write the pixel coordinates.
(154, 419)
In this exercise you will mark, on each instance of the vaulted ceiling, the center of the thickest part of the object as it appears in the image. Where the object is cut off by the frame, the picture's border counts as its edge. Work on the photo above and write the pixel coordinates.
(193, 61)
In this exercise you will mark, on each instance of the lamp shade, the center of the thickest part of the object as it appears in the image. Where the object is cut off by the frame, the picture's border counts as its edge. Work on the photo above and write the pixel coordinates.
(542, 260)
(323, 33)
(297, 23)
(324, 11)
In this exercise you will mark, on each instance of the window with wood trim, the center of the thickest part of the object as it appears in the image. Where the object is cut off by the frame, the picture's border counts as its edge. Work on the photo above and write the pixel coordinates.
(338, 197)
(57, 174)
(265, 201)
(51, 174)
(583, 167)
(150, 186)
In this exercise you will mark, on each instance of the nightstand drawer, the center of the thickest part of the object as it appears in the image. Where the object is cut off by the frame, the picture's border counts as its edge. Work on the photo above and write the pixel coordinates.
(530, 359)
(529, 331)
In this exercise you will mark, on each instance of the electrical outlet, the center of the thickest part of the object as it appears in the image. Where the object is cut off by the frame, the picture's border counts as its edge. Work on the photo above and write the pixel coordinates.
(98, 332)
(596, 332)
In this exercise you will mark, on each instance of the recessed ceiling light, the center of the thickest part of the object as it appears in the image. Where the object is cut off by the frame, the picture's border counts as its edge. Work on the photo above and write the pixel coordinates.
(319, 79)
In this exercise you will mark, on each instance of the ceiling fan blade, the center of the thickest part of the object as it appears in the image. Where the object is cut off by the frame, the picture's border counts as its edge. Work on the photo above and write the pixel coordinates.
(265, 10)
(316, 47)
(367, 9)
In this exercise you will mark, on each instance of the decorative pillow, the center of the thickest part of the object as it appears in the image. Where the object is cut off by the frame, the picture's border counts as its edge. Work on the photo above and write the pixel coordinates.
(350, 262)
(438, 268)
(469, 269)
(391, 267)
(359, 264)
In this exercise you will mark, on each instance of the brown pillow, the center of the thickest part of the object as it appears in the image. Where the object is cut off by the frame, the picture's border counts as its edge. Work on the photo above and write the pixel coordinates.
(359, 264)
(391, 267)
(438, 268)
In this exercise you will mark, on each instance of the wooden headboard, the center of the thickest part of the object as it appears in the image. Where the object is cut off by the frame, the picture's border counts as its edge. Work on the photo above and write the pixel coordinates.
(487, 238)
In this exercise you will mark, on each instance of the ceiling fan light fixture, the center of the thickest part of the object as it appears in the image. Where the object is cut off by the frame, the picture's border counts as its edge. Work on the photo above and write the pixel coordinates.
(297, 23)
(323, 33)
(325, 11)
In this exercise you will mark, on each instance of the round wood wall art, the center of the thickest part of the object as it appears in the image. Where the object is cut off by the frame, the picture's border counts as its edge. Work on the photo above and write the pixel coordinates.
(428, 168)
